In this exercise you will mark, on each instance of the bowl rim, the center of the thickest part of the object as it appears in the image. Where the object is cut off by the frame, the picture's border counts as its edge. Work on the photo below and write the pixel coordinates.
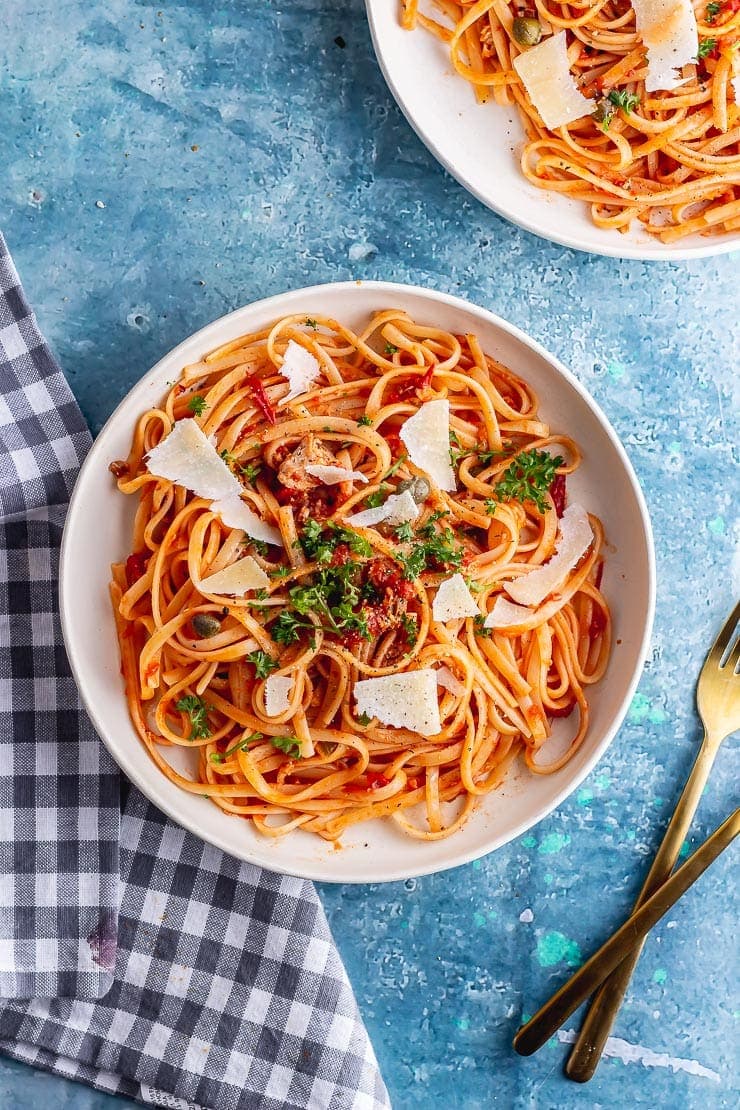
(269, 308)
(648, 253)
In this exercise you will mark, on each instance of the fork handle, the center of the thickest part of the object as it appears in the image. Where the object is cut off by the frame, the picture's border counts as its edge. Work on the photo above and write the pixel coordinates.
(597, 1024)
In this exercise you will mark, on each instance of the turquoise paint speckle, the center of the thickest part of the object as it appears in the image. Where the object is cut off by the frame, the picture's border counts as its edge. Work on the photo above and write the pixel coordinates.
(554, 948)
(717, 526)
(615, 370)
(630, 834)
(476, 865)
(657, 716)
(462, 1023)
(479, 919)
(639, 707)
(584, 797)
(553, 842)
(660, 975)
(603, 781)
(529, 841)
(548, 878)
(674, 448)
(684, 850)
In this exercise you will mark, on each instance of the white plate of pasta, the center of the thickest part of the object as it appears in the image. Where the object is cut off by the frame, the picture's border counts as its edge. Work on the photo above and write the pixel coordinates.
(375, 584)
(640, 175)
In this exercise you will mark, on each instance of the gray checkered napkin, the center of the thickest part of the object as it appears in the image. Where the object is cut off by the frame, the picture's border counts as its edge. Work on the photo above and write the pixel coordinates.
(133, 957)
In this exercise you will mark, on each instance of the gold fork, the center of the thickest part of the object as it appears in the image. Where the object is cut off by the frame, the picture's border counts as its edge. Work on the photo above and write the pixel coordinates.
(718, 702)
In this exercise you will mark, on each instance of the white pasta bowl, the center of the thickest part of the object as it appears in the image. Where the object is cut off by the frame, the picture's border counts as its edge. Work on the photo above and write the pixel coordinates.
(481, 144)
(98, 532)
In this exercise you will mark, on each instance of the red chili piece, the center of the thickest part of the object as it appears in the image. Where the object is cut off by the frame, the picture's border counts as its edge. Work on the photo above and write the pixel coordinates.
(557, 492)
(262, 400)
(376, 781)
(136, 567)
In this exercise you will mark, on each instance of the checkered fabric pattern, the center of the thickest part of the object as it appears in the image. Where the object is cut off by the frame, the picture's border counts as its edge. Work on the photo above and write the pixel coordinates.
(214, 984)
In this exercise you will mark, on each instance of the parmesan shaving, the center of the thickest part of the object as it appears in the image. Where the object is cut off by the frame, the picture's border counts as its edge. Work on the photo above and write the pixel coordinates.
(333, 475)
(545, 73)
(300, 368)
(574, 540)
(668, 30)
(245, 574)
(426, 436)
(398, 508)
(506, 615)
(406, 700)
(186, 456)
(453, 600)
(236, 514)
(277, 694)
(449, 681)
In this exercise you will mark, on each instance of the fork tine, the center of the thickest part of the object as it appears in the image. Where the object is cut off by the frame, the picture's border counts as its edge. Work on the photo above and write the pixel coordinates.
(734, 658)
(720, 645)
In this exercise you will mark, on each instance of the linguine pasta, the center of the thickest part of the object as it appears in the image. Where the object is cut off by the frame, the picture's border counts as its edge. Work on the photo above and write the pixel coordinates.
(349, 603)
(668, 159)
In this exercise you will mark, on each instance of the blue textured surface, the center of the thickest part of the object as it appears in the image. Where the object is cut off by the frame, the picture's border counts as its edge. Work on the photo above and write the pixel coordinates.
(165, 164)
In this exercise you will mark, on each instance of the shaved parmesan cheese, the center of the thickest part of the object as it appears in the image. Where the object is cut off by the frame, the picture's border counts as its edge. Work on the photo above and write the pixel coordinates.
(300, 368)
(333, 475)
(545, 74)
(449, 681)
(277, 694)
(505, 615)
(245, 574)
(396, 509)
(453, 599)
(186, 456)
(235, 513)
(668, 30)
(402, 700)
(426, 436)
(574, 540)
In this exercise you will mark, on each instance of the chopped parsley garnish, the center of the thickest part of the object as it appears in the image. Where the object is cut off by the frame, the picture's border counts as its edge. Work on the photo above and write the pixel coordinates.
(262, 549)
(197, 711)
(706, 46)
(364, 719)
(250, 471)
(394, 468)
(332, 599)
(280, 572)
(436, 551)
(219, 757)
(197, 404)
(312, 323)
(264, 664)
(377, 498)
(528, 478)
(286, 629)
(320, 541)
(365, 421)
(391, 349)
(713, 10)
(620, 98)
(287, 744)
(228, 457)
(480, 628)
(410, 627)
(404, 532)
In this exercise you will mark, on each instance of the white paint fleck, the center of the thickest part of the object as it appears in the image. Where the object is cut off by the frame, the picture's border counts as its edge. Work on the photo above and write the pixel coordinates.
(99, 204)
(360, 252)
(630, 1053)
(526, 916)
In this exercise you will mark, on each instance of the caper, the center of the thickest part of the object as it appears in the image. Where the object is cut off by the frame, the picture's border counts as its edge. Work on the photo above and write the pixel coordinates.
(527, 31)
(419, 489)
(205, 625)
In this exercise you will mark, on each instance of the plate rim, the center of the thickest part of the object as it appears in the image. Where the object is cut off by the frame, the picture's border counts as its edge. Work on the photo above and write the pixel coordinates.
(648, 253)
(150, 789)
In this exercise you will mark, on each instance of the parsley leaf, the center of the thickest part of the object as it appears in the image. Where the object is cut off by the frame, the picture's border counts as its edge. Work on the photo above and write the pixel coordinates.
(364, 719)
(285, 630)
(404, 532)
(220, 757)
(264, 664)
(228, 457)
(528, 478)
(319, 542)
(713, 10)
(287, 744)
(364, 421)
(377, 498)
(197, 404)
(480, 628)
(280, 572)
(414, 563)
(250, 471)
(312, 323)
(394, 468)
(197, 711)
(706, 46)
(391, 349)
(620, 98)
(410, 627)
